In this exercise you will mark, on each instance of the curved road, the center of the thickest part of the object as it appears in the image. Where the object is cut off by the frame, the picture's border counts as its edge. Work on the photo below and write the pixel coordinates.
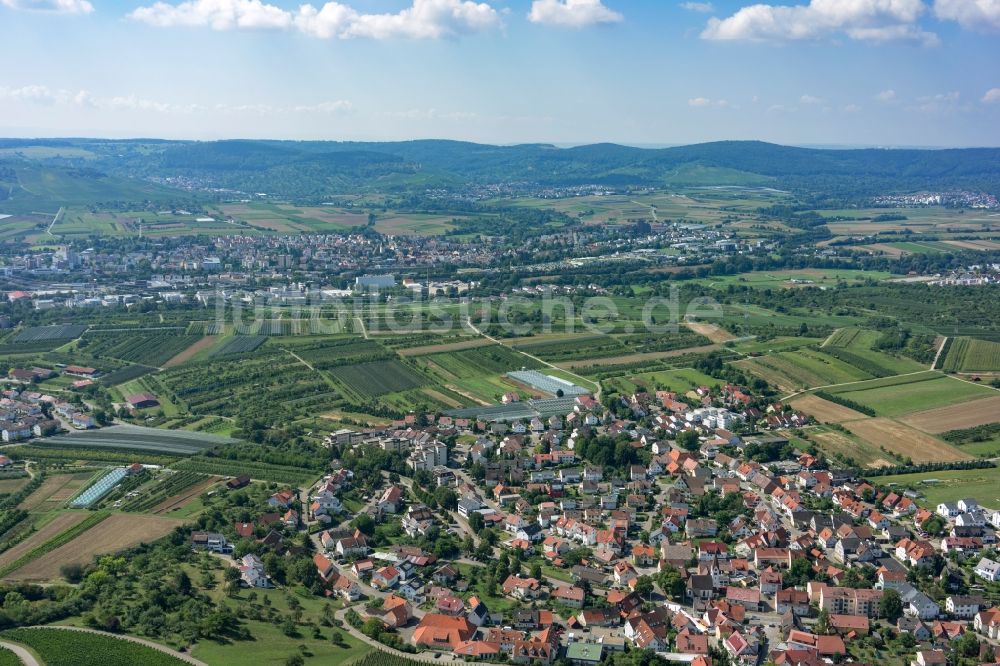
(22, 653)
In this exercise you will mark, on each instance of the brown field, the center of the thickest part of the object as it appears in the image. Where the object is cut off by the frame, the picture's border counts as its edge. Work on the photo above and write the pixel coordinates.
(450, 346)
(51, 489)
(113, 534)
(441, 397)
(186, 355)
(465, 394)
(57, 525)
(710, 331)
(636, 358)
(825, 411)
(183, 497)
(833, 442)
(8, 486)
(276, 224)
(888, 249)
(964, 244)
(904, 441)
(965, 415)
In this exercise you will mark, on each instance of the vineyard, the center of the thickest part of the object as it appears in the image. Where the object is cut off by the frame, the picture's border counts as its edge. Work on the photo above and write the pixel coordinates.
(864, 364)
(151, 348)
(205, 328)
(854, 338)
(972, 355)
(268, 385)
(255, 470)
(238, 344)
(44, 333)
(164, 488)
(380, 658)
(126, 374)
(336, 352)
(480, 361)
(64, 647)
(370, 380)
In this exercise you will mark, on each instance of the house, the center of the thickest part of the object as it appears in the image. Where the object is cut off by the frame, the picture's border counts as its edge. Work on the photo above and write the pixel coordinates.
(571, 596)
(962, 607)
(352, 546)
(210, 541)
(521, 588)
(442, 632)
(988, 569)
(281, 499)
(142, 401)
(391, 499)
(252, 571)
(584, 654)
(856, 625)
(917, 604)
(385, 578)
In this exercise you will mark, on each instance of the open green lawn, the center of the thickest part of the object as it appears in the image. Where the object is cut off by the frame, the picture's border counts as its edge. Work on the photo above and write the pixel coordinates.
(680, 380)
(271, 646)
(895, 396)
(952, 485)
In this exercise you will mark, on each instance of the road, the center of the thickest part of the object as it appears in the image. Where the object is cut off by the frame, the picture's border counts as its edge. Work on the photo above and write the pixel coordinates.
(597, 393)
(937, 356)
(859, 381)
(55, 219)
(26, 657)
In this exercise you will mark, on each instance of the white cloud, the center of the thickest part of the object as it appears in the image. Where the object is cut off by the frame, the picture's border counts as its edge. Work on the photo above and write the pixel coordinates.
(703, 7)
(970, 14)
(886, 96)
(852, 108)
(810, 99)
(572, 13)
(704, 101)
(424, 19)
(41, 95)
(217, 14)
(992, 95)
(53, 6)
(866, 20)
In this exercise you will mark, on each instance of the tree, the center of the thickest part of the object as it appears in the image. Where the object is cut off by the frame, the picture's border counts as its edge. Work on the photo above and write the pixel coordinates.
(476, 522)
(890, 606)
(644, 586)
(536, 572)
(688, 440)
(671, 583)
(337, 638)
(823, 622)
(968, 645)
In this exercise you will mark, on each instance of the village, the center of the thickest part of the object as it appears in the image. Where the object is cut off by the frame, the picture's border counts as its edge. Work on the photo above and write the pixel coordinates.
(705, 546)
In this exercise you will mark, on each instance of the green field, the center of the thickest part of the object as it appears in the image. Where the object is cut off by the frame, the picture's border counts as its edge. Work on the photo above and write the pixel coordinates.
(370, 380)
(972, 355)
(896, 396)
(951, 485)
(680, 380)
(62, 647)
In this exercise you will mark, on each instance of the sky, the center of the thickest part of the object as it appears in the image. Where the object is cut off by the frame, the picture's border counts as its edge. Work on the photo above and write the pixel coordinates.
(641, 72)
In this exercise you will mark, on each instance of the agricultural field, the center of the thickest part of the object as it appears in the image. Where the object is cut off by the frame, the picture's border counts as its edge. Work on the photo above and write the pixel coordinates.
(46, 333)
(114, 533)
(847, 448)
(897, 396)
(953, 417)
(64, 647)
(476, 362)
(257, 471)
(903, 441)
(57, 525)
(137, 438)
(951, 485)
(150, 348)
(198, 347)
(680, 380)
(54, 491)
(369, 380)
(237, 344)
(971, 355)
(802, 369)
(825, 411)
(169, 490)
(806, 277)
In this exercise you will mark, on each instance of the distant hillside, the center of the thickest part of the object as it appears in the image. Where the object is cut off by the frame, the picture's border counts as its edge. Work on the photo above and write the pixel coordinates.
(316, 168)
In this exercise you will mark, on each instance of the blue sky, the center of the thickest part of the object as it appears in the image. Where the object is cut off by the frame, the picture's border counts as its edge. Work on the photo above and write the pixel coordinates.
(827, 72)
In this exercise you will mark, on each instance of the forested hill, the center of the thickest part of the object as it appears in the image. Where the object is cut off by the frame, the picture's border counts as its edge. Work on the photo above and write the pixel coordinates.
(315, 168)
